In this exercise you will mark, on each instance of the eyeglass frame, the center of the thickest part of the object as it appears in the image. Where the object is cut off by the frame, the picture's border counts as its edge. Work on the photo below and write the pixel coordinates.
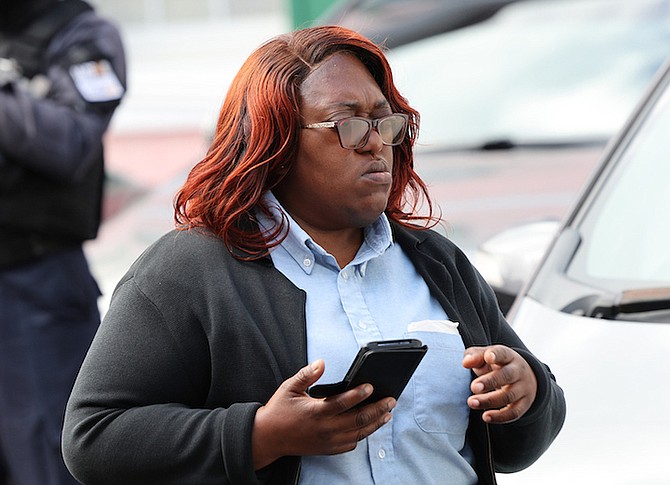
(372, 125)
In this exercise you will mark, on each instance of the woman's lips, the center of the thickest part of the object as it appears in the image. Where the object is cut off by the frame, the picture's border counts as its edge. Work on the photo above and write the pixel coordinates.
(378, 172)
(379, 177)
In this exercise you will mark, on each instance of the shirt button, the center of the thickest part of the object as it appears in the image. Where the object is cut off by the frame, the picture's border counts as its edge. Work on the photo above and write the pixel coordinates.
(345, 275)
(361, 324)
(307, 262)
(381, 453)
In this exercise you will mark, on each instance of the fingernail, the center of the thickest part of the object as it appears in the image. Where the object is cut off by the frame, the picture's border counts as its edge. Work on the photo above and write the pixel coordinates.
(367, 389)
(477, 387)
(391, 404)
(314, 366)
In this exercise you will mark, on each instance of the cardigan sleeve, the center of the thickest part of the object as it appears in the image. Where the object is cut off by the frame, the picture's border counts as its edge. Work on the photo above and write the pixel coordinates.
(519, 444)
(135, 413)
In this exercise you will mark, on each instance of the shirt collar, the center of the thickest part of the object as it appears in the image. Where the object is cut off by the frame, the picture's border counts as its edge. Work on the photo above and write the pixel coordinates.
(377, 236)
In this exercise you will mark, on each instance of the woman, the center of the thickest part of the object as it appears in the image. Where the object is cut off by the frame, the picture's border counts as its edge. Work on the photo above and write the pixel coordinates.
(296, 243)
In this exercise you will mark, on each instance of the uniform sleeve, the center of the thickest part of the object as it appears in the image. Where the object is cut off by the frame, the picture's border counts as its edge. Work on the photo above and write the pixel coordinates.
(136, 413)
(54, 126)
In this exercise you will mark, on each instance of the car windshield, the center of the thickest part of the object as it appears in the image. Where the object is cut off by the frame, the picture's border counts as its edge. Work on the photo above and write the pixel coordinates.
(537, 72)
(626, 229)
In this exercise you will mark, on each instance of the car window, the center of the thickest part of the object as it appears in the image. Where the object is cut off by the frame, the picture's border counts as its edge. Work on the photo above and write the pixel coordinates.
(626, 230)
(536, 72)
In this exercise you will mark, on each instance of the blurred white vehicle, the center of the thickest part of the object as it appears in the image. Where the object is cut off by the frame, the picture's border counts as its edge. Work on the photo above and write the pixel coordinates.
(516, 110)
(597, 310)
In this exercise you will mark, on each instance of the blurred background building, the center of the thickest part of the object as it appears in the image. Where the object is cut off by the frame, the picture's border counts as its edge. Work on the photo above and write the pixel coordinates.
(153, 11)
(183, 54)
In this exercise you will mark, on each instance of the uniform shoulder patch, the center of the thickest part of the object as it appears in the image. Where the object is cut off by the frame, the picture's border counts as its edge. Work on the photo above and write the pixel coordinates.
(96, 81)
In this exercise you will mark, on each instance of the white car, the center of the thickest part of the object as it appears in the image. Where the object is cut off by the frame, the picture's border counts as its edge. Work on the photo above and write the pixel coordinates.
(516, 110)
(597, 311)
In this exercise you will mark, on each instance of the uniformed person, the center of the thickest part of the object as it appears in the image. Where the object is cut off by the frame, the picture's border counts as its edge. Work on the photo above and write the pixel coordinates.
(62, 74)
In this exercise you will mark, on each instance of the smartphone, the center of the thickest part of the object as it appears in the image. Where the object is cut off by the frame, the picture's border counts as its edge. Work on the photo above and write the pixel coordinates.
(387, 364)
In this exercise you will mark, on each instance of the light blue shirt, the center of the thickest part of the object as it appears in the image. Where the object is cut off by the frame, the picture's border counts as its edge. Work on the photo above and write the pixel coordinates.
(380, 296)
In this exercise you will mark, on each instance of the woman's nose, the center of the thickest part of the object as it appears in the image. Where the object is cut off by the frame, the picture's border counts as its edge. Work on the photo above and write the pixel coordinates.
(374, 143)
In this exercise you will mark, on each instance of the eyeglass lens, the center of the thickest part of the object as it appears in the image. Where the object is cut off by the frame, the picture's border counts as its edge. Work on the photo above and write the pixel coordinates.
(354, 132)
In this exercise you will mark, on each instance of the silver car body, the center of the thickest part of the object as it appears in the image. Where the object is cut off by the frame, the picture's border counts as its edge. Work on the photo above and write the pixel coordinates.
(597, 310)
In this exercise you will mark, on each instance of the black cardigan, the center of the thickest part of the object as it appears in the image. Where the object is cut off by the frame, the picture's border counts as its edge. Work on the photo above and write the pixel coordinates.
(196, 340)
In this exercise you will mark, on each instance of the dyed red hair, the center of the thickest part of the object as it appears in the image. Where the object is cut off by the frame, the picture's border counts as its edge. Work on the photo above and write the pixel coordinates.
(258, 132)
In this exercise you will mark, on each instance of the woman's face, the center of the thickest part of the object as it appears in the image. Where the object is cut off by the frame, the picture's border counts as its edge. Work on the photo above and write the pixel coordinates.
(331, 188)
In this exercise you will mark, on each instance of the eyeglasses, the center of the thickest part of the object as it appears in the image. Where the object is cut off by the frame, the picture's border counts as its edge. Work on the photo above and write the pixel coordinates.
(354, 132)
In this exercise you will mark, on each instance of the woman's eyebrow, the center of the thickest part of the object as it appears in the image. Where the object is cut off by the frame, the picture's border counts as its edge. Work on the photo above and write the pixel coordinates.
(355, 105)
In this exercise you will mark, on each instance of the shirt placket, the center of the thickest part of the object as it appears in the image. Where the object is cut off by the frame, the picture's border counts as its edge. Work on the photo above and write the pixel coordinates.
(365, 329)
(362, 324)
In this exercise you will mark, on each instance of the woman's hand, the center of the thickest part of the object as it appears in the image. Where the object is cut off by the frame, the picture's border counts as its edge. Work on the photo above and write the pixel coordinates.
(506, 385)
(294, 424)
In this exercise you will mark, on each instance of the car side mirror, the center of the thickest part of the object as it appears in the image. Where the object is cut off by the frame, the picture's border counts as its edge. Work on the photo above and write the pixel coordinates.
(508, 259)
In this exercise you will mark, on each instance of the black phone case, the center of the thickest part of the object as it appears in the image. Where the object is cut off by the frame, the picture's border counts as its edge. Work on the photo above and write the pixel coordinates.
(388, 365)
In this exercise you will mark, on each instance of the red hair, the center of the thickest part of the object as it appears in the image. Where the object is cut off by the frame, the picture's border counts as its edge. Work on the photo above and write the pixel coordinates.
(258, 132)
